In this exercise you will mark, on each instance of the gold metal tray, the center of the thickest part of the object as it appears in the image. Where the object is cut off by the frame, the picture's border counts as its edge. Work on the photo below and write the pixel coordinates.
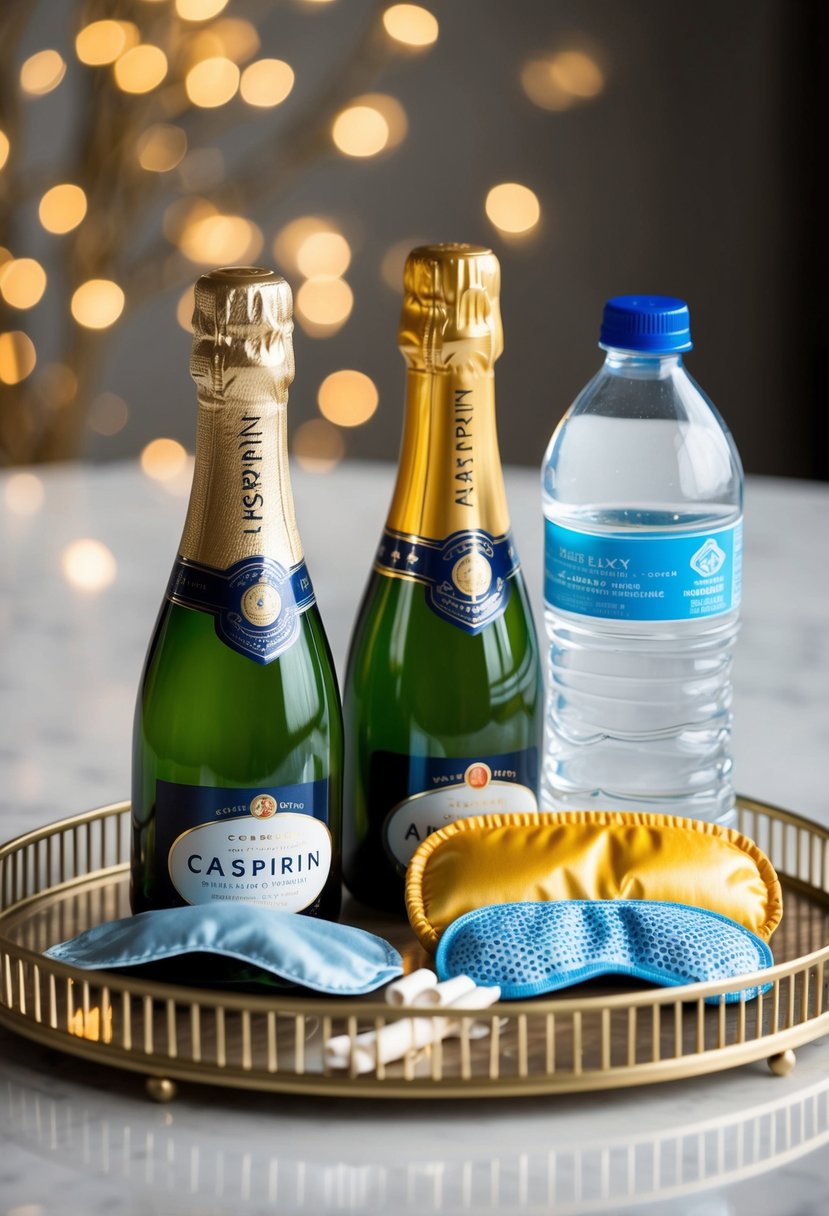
(63, 878)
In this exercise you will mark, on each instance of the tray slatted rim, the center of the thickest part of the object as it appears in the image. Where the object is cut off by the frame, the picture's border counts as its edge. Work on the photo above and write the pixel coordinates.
(552, 1045)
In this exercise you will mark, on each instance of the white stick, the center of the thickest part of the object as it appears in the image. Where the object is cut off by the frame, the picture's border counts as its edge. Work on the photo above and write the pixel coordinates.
(445, 993)
(397, 1039)
(406, 990)
(391, 1042)
(477, 998)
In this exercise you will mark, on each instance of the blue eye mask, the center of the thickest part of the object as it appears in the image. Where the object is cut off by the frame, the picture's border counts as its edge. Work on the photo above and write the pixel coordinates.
(534, 948)
(321, 955)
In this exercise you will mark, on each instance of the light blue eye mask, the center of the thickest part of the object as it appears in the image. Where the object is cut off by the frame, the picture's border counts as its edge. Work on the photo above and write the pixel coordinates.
(321, 955)
(534, 948)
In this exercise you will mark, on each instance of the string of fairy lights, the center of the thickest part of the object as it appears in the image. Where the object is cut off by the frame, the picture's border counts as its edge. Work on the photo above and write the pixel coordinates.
(175, 61)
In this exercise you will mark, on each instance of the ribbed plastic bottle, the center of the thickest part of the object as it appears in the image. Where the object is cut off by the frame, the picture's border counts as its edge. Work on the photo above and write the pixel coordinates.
(642, 495)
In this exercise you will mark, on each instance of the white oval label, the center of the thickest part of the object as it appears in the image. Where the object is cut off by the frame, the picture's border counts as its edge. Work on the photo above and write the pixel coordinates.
(412, 820)
(281, 861)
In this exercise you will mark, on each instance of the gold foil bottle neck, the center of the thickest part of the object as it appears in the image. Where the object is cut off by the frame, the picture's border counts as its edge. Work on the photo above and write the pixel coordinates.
(451, 319)
(242, 336)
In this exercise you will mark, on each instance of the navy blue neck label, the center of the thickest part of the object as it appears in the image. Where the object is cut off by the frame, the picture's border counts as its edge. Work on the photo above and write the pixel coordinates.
(256, 602)
(465, 575)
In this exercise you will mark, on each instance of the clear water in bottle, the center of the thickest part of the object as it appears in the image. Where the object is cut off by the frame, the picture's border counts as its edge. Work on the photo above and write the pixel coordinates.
(642, 495)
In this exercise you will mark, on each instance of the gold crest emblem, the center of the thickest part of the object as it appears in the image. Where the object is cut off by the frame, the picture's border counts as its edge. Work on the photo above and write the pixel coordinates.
(478, 775)
(261, 604)
(472, 574)
(263, 806)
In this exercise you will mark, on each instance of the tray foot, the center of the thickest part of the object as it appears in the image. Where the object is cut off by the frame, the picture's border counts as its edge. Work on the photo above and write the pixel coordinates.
(783, 1063)
(161, 1089)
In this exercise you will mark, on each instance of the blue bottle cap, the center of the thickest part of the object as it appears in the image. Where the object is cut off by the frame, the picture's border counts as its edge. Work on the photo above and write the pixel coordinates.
(658, 325)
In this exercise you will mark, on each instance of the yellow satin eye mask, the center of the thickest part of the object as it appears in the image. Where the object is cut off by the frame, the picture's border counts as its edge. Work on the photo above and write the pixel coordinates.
(496, 859)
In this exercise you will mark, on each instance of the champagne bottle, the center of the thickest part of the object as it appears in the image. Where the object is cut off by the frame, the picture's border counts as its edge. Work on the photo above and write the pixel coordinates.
(237, 746)
(443, 689)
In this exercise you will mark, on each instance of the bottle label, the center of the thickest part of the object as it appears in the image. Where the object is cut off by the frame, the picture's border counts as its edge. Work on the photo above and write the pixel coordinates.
(466, 576)
(256, 603)
(427, 793)
(268, 845)
(644, 577)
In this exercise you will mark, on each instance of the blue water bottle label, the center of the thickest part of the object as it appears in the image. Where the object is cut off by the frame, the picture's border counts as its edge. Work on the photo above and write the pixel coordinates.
(269, 845)
(256, 603)
(643, 577)
(466, 575)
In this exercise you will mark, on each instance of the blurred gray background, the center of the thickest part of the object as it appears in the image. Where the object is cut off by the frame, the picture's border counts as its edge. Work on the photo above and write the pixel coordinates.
(689, 163)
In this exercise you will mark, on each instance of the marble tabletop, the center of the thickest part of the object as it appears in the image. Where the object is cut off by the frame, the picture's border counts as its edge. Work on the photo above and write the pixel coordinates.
(74, 624)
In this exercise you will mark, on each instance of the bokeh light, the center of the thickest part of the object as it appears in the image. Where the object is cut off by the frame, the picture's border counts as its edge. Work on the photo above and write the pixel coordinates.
(540, 87)
(360, 131)
(163, 459)
(88, 565)
(180, 485)
(267, 82)
(318, 446)
(97, 303)
(108, 414)
(513, 209)
(102, 42)
(22, 282)
(5, 148)
(58, 384)
(182, 213)
(203, 45)
(557, 82)
(199, 10)
(411, 24)
(28, 785)
(236, 38)
(18, 356)
(323, 305)
(348, 397)
(391, 110)
(24, 494)
(141, 69)
(42, 72)
(394, 260)
(290, 239)
(161, 147)
(184, 309)
(212, 82)
(220, 239)
(578, 73)
(62, 208)
(323, 253)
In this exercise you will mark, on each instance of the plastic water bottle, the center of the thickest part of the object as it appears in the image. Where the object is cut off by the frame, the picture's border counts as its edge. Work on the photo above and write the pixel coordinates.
(642, 493)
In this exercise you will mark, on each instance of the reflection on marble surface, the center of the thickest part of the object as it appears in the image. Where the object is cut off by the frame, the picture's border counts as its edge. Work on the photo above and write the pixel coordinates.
(326, 1157)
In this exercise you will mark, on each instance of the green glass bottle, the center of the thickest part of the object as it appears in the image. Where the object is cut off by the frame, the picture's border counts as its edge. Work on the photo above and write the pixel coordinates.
(443, 689)
(237, 746)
